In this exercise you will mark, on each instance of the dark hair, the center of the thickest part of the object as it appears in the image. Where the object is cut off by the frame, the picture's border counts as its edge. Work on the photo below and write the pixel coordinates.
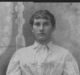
(43, 14)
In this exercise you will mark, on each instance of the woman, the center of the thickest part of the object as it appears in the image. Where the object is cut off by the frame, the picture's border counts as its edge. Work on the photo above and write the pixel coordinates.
(43, 57)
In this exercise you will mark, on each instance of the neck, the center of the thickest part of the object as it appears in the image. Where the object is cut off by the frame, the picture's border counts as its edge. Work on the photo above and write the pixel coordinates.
(44, 41)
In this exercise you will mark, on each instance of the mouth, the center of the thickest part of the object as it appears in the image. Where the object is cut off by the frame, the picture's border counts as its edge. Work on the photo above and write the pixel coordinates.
(41, 33)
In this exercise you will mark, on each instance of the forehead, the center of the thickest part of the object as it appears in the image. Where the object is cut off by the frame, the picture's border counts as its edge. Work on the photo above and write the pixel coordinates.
(41, 20)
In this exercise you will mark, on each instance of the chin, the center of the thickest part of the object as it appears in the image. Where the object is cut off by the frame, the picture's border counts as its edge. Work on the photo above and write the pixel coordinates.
(42, 39)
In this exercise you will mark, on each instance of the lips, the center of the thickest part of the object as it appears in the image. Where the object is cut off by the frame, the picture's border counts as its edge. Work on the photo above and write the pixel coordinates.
(41, 34)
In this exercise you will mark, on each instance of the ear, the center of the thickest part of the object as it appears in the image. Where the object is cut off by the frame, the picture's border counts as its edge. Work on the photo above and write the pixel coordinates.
(32, 30)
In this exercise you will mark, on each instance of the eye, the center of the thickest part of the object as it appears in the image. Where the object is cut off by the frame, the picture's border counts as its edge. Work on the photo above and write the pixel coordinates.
(37, 24)
(46, 23)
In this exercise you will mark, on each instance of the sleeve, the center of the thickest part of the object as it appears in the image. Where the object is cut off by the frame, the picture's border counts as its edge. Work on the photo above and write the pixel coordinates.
(14, 66)
(70, 66)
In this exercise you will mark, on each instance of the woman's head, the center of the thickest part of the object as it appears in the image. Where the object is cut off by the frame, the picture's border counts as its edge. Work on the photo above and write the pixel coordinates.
(43, 23)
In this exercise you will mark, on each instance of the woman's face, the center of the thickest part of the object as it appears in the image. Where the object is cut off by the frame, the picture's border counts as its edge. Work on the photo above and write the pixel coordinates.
(42, 29)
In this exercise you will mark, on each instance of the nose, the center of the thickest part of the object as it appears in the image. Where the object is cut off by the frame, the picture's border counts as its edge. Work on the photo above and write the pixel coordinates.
(41, 28)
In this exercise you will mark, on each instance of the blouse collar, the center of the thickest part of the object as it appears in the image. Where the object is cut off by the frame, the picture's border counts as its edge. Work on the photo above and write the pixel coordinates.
(39, 45)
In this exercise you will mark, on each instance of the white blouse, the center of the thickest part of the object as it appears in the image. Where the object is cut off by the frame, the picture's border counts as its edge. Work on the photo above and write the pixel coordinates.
(40, 59)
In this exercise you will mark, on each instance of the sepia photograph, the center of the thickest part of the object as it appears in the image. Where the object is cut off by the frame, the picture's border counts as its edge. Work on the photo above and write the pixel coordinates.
(39, 38)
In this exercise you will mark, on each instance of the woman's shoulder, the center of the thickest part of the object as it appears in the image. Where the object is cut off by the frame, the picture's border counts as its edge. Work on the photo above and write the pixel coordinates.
(22, 51)
(61, 50)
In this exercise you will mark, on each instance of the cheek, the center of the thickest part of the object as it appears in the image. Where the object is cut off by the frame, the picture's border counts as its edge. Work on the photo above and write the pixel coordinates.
(48, 29)
(35, 29)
